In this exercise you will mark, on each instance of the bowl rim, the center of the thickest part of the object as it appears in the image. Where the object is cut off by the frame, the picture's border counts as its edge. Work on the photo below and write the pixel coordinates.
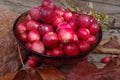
(43, 55)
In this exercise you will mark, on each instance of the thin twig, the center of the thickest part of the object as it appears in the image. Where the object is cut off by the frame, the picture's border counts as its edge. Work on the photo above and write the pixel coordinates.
(19, 52)
(21, 59)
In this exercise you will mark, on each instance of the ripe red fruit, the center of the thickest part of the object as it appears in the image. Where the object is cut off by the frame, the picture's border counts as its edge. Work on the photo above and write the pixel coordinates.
(60, 11)
(23, 37)
(61, 45)
(92, 19)
(83, 33)
(94, 28)
(75, 39)
(21, 28)
(45, 3)
(28, 17)
(92, 40)
(49, 4)
(50, 39)
(57, 52)
(58, 19)
(63, 25)
(106, 60)
(44, 28)
(66, 35)
(73, 25)
(83, 20)
(75, 17)
(38, 46)
(68, 15)
(47, 15)
(33, 35)
(32, 62)
(35, 14)
(48, 52)
(112, 56)
(32, 24)
(84, 46)
(71, 49)
(28, 45)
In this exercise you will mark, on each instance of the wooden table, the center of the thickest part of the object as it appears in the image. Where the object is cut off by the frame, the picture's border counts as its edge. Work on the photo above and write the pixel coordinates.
(111, 7)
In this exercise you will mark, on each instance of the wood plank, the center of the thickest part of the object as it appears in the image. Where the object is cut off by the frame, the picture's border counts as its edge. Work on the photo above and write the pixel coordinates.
(106, 8)
(106, 2)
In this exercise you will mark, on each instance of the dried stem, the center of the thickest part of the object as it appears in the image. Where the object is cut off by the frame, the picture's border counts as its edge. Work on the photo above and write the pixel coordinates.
(21, 59)
(19, 52)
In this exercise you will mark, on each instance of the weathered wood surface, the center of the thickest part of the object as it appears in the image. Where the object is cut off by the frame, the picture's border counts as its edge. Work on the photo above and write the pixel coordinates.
(111, 7)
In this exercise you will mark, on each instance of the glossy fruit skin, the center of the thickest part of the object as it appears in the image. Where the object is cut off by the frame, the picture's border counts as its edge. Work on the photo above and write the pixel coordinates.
(57, 20)
(38, 46)
(28, 17)
(94, 28)
(32, 24)
(52, 6)
(83, 33)
(45, 3)
(33, 35)
(23, 37)
(48, 52)
(28, 45)
(44, 28)
(112, 56)
(32, 62)
(49, 4)
(75, 17)
(50, 39)
(47, 15)
(60, 11)
(66, 35)
(71, 49)
(57, 52)
(92, 19)
(68, 15)
(35, 13)
(21, 28)
(83, 20)
(73, 25)
(84, 46)
(63, 25)
(92, 40)
(106, 60)
(75, 39)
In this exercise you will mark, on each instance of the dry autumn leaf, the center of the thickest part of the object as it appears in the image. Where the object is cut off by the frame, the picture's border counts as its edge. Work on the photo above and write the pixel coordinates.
(88, 71)
(109, 45)
(46, 73)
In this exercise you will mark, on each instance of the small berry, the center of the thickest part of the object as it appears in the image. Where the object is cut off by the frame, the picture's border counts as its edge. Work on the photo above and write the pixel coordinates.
(112, 56)
(32, 62)
(106, 60)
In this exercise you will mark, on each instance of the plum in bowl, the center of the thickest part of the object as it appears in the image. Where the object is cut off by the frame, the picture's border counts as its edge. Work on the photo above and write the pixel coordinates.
(56, 35)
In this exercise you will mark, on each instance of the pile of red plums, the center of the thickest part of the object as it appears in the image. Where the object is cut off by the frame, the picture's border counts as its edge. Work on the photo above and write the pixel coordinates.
(54, 31)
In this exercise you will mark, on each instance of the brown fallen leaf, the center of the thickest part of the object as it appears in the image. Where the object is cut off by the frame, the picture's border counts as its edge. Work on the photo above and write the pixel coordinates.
(46, 73)
(109, 45)
(88, 71)
(8, 49)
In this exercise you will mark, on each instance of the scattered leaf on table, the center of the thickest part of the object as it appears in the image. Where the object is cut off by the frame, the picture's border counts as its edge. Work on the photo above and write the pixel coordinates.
(88, 71)
(110, 45)
(46, 73)
(9, 60)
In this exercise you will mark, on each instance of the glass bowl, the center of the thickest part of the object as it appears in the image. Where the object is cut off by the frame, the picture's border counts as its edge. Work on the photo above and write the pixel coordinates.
(50, 59)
